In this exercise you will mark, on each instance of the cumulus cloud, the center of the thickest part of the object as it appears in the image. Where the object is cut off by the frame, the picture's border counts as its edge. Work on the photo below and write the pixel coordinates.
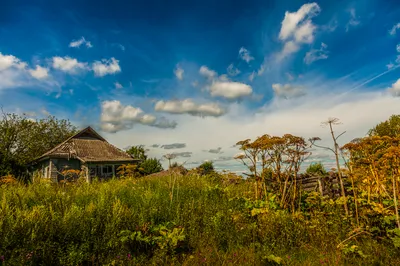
(244, 54)
(39, 72)
(178, 71)
(297, 28)
(79, 42)
(208, 73)
(16, 73)
(9, 61)
(232, 70)
(394, 29)
(395, 89)
(174, 146)
(287, 91)
(222, 86)
(106, 67)
(68, 64)
(316, 54)
(230, 90)
(354, 21)
(116, 117)
(188, 106)
(297, 116)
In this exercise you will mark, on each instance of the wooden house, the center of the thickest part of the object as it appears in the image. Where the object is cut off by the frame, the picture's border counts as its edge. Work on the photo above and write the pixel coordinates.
(85, 151)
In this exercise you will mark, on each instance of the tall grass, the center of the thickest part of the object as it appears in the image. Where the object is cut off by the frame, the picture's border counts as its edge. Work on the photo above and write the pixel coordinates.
(138, 222)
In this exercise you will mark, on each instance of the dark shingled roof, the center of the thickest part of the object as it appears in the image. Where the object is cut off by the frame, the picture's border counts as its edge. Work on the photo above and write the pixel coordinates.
(88, 146)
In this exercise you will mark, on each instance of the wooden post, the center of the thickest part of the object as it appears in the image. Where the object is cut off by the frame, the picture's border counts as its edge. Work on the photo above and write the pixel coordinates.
(321, 189)
(113, 171)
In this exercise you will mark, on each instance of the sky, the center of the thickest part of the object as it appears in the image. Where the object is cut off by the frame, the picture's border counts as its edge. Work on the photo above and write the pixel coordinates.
(195, 77)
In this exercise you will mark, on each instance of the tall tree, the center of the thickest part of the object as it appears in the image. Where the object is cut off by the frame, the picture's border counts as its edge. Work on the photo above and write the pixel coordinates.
(388, 128)
(138, 152)
(23, 139)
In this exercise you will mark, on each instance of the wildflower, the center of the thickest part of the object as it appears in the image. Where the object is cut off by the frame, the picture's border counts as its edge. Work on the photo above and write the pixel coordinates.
(2, 258)
(129, 256)
(234, 254)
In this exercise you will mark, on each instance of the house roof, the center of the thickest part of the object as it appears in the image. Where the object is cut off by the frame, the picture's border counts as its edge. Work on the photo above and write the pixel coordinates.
(88, 146)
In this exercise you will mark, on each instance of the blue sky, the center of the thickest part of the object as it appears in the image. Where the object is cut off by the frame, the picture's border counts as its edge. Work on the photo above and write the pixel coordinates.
(202, 74)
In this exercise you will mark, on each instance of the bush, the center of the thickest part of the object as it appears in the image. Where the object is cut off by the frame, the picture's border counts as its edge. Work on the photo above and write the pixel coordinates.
(150, 166)
(206, 168)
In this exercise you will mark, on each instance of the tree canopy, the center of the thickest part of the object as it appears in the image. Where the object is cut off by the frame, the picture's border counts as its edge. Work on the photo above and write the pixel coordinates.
(23, 139)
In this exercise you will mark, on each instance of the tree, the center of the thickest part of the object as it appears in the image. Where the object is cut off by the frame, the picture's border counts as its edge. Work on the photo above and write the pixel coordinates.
(22, 140)
(150, 166)
(316, 168)
(206, 168)
(389, 128)
(330, 122)
(138, 152)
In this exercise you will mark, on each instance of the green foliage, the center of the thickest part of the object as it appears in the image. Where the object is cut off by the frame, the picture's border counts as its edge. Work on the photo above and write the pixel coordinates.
(317, 169)
(138, 152)
(135, 222)
(150, 166)
(206, 168)
(388, 128)
(22, 140)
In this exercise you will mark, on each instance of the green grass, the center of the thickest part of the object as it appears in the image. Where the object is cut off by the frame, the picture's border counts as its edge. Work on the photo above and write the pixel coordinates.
(146, 222)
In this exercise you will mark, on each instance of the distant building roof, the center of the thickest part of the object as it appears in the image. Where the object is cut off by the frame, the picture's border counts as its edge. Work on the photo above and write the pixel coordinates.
(88, 146)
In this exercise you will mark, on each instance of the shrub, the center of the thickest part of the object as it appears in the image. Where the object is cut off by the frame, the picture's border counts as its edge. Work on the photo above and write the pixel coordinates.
(150, 166)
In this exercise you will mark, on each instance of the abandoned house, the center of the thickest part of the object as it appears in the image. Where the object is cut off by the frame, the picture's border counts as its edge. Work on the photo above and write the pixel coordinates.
(86, 152)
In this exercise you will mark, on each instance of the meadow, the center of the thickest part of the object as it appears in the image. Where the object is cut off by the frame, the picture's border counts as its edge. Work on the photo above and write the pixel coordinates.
(176, 219)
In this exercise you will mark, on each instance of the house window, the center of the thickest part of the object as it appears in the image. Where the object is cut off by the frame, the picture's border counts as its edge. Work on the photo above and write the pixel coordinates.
(107, 170)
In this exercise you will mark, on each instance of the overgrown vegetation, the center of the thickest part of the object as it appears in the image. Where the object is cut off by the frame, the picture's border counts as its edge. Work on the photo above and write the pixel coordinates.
(205, 217)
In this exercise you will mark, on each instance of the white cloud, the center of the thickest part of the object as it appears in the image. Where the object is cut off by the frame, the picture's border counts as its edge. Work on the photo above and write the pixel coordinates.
(353, 22)
(178, 71)
(288, 91)
(222, 86)
(297, 28)
(106, 67)
(15, 73)
(232, 70)
(298, 116)
(395, 89)
(394, 29)
(244, 54)
(79, 42)
(116, 117)
(9, 61)
(316, 54)
(295, 20)
(68, 64)
(39, 72)
(118, 85)
(208, 73)
(230, 89)
(188, 106)
(398, 48)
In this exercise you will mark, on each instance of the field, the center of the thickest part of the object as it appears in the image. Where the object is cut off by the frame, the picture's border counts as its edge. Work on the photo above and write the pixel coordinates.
(179, 220)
